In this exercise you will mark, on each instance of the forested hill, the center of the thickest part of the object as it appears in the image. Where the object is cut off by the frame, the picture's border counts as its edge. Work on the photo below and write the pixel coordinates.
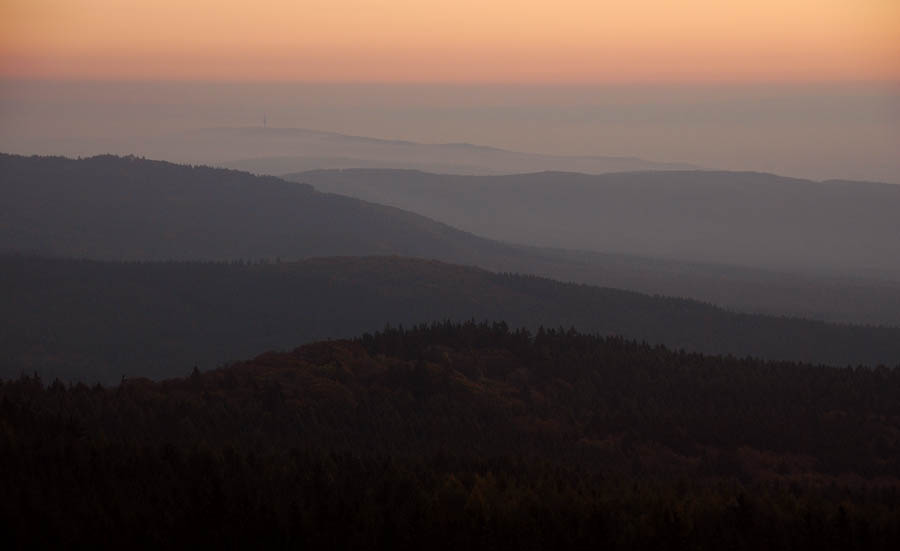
(461, 436)
(94, 320)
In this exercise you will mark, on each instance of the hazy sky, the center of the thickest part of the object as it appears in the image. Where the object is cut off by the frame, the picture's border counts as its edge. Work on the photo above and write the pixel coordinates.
(453, 40)
(810, 130)
(797, 87)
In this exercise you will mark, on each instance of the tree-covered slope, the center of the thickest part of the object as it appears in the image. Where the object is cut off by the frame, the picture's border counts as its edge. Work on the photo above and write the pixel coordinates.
(460, 436)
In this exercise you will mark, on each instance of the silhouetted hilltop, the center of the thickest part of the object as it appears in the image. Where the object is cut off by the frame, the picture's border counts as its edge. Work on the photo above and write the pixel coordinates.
(100, 320)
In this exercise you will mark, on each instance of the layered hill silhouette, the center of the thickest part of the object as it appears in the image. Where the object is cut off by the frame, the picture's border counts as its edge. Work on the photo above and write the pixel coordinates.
(738, 218)
(450, 436)
(100, 321)
(664, 424)
(126, 208)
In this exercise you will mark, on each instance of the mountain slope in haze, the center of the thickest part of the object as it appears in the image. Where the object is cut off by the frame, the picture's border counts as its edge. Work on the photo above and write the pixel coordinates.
(80, 319)
(121, 208)
(277, 151)
(739, 218)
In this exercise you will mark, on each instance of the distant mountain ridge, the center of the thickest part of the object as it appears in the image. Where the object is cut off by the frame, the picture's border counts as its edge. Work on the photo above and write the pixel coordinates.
(739, 218)
(126, 208)
(275, 151)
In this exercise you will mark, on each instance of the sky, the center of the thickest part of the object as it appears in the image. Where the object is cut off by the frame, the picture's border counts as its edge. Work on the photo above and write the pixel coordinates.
(563, 41)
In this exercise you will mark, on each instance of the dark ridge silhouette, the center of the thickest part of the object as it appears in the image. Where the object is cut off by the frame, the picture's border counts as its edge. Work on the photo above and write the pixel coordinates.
(126, 208)
(460, 436)
(90, 321)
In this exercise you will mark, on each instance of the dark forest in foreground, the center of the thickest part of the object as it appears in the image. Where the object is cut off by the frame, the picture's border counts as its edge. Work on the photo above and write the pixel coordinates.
(97, 321)
(461, 435)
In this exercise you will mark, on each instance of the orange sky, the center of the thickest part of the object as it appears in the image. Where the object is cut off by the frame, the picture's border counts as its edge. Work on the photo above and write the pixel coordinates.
(456, 41)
